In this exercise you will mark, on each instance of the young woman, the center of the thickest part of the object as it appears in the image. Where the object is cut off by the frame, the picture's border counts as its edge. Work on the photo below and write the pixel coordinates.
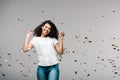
(48, 44)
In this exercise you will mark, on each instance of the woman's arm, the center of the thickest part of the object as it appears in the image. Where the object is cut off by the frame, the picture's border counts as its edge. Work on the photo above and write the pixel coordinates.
(27, 45)
(59, 45)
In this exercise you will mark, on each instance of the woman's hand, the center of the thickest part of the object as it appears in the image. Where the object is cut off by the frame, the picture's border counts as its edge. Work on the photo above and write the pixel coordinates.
(27, 45)
(29, 33)
(59, 46)
(61, 35)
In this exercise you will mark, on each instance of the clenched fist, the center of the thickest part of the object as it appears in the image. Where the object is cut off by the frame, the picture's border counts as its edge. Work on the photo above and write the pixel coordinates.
(61, 35)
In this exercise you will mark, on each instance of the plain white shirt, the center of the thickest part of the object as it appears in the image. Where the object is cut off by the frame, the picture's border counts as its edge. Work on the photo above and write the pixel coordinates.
(46, 52)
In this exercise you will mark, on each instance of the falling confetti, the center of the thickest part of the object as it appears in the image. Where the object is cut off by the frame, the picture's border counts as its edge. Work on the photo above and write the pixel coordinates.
(34, 63)
(95, 70)
(5, 60)
(21, 64)
(19, 20)
(75, 60)
(0, 65)
(75, 72)
(9, 53)
(80, 63)
(42, 11)
(102, 16)
(73, 51)
(25, 75)
(102, 59)
(88, 74)
(62, 23)
(9, 65)
(3, 75)
(85, 70)
(84, 62)
(113, 11)
(86, 37)
(89, 41)
(116, 73)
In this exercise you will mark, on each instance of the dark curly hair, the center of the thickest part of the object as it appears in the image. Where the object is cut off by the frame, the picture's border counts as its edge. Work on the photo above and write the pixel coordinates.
(53, 32)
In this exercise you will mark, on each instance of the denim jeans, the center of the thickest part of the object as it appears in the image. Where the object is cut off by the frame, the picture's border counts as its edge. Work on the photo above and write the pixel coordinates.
(48, 72)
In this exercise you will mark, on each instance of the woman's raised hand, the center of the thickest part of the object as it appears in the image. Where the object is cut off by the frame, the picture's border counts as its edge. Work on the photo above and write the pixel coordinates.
(61, 35)
(29, 33)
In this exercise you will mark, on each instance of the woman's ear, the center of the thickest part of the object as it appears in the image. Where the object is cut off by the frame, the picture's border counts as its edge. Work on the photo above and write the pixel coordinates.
(42, 27)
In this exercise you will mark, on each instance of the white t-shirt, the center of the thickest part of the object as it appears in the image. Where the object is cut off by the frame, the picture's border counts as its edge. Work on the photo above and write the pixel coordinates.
(46, 53)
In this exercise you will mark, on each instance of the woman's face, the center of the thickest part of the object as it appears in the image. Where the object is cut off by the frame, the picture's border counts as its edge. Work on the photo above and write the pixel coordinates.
(46, 29)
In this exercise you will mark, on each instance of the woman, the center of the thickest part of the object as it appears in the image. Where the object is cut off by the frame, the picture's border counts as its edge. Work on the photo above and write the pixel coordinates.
(48, 44)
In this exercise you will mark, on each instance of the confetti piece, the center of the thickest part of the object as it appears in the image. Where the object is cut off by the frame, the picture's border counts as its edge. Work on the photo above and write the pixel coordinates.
(0, 65)
(113, 11)
(23, 65)
(102, 59)
(6, 60)
(18, 19)
(103, 40)
(42, 11)
(60, 59)
(86, 37)
(89, 41)
(75, 72)
(114, 48)
(75, 60)
(76, 37)
(88, 74)
(20, 63)
(34, 51)
(84, 42)
(85, 70)
(73, 51)
(16, 59)
(80, 78)
(34, 63)
(84, 62)
(3, 75)
(95, 70)
(117, 57)
(118, 49)
(62, 23)
(24, 75)
(102, 16)
(29, 58)
(9, 65)
(29, 55)
(116, 73)
(9, 54)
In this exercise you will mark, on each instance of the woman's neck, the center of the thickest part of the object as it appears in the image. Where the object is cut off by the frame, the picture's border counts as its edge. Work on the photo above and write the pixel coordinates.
(43, 36)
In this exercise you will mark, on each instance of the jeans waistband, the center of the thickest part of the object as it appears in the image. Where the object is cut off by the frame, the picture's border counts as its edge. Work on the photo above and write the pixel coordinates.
(48, 66)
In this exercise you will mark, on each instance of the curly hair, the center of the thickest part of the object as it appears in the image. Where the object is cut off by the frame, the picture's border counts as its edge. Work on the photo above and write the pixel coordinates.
(53, 32)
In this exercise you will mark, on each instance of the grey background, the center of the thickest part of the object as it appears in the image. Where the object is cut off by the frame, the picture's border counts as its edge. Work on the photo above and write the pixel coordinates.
(92, 37)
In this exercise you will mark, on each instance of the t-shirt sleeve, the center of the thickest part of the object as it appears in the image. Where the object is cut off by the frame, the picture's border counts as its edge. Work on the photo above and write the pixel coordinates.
(55, 41)
(33, 41)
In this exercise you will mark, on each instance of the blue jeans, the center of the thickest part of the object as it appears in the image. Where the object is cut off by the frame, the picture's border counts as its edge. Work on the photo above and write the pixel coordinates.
(48, 72)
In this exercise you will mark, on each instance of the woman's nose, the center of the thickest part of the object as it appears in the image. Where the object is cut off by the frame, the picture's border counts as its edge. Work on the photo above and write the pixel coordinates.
(47, 28)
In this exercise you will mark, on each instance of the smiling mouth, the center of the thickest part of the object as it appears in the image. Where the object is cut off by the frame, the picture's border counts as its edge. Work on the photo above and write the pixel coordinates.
(46, 32)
